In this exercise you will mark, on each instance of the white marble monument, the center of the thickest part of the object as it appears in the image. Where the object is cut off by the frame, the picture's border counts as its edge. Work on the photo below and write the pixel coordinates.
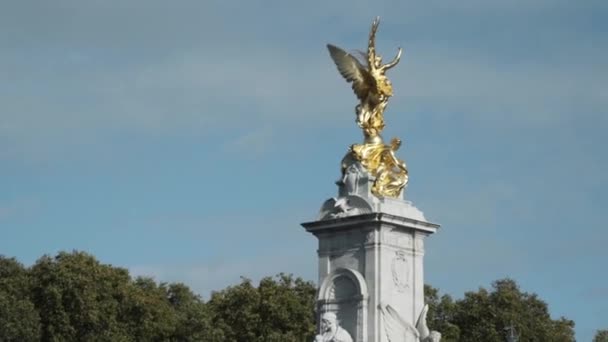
(371, 241)
(371, 272)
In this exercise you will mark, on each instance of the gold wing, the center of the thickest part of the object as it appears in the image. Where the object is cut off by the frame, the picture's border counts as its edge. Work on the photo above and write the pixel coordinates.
(353, 71)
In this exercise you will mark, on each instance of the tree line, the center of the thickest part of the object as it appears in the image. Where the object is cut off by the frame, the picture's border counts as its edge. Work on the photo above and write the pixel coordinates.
(73, 297)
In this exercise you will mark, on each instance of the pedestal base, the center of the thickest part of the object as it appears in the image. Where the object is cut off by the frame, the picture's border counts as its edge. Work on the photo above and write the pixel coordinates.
(367, 262)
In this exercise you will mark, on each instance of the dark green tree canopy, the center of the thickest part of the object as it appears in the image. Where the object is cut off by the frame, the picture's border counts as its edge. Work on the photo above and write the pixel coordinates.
(74, 297)
(484, 315)
(19, 319)
(279, 309)
(601, 336)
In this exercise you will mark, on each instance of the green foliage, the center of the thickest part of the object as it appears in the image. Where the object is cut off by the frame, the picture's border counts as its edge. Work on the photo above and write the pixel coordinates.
(280, 309)
(19, 320)
(193, 321)
(441, 314)
(80, 299)
(483, 316)
(601, 336)
(73, 297)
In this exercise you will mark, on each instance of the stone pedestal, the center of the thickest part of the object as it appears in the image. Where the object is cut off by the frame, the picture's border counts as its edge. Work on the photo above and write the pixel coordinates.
(370, 255)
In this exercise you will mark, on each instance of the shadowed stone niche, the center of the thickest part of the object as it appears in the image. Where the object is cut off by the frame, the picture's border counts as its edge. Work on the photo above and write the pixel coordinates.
(344, 292)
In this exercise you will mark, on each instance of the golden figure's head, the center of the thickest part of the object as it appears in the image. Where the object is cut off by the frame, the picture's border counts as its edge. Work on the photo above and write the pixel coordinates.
(377, 62)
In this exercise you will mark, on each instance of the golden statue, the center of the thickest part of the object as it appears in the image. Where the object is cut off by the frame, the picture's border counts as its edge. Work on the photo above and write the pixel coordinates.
(373, 89)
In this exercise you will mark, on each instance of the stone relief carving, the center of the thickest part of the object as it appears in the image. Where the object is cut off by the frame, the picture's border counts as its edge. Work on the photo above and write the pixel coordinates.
(344, 206)
(398, 329)
(370, 237)
(400, 271)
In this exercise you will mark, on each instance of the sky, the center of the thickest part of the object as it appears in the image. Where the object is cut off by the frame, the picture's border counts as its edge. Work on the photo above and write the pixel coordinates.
(187, 140)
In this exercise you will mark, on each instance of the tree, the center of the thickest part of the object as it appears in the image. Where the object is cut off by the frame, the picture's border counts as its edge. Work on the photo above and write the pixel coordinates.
(193, 320)
(80, 299)
(279, 309)
(441, 314)
(484, 315)
(149, 314)
(19, 320)
(74, 297)
(287, 308)
(601, 336)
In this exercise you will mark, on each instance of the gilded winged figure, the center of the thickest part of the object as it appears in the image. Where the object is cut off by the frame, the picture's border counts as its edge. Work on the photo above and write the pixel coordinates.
(369, 81)
(373, 89)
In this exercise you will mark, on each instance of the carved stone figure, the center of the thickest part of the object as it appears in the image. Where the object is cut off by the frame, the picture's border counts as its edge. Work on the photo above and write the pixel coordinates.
(331, 331)
(399, 330)
(426, 335)
(350, 179)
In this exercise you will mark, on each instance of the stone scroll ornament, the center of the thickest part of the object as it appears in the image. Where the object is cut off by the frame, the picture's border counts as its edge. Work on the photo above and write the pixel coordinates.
(373, 89)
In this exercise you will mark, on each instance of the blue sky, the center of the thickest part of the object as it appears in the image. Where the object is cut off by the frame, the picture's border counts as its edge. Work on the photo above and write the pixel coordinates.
(187, 140)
